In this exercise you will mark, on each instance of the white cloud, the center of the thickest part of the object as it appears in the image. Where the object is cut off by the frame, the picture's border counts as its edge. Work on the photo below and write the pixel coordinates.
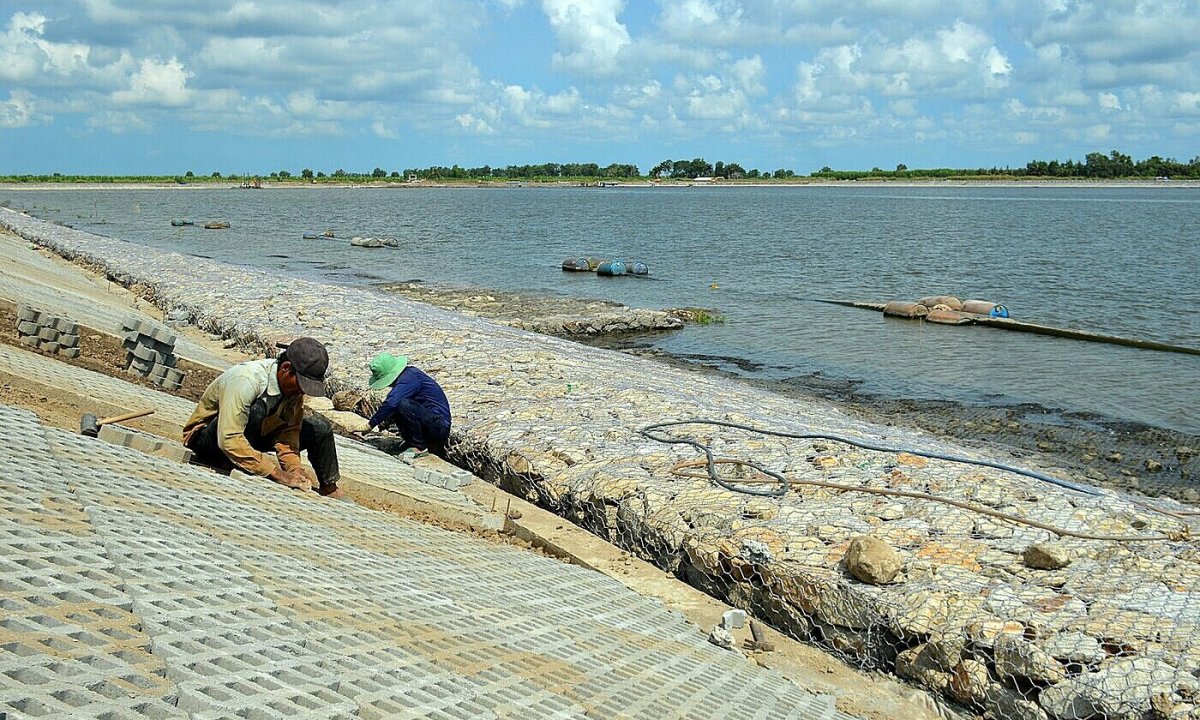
(157, 83)
(474, 124)
(1108, 101)
(589, 33)
(20, 110)
(382, 130)
(25, 55)
(117, 122)
(1098, 133)
(1188, 103)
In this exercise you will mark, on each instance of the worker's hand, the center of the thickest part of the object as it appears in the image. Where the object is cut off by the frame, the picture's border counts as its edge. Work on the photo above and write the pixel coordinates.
(295, 479)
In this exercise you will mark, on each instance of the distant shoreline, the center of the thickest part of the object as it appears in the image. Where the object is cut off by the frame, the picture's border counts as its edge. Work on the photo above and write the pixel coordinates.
(640, 184)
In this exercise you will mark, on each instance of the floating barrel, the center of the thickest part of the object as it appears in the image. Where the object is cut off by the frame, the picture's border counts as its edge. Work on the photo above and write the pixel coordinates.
(216, 225)
(948, 317)
(594, 262)
(366, 242)
(310, 236)
(948, 300)
(999, 312)
(390, 242)
(637, 267)
(611, 268)
(576, 264)
(181, 223)
(900, 308)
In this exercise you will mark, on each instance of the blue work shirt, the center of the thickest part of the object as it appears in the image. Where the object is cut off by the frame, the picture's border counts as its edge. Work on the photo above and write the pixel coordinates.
(413, 384)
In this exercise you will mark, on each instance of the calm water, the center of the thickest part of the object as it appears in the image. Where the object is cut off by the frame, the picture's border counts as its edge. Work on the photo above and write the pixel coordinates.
(1121, 261)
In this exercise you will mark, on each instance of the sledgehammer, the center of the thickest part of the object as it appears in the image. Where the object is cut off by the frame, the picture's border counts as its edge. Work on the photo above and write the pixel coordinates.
(90, 426)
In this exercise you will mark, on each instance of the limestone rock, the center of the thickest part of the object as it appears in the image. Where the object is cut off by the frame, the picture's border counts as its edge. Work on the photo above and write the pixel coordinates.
(969, 682)
(1075, 647)
(873, 561)
(1017, 658)
(912, 664)
(345, 423)
(320, 404)
(1120, 690)
(945, 652)
(1046, 556)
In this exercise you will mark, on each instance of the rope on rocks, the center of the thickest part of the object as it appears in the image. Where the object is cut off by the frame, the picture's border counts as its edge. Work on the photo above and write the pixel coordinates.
(710, 463)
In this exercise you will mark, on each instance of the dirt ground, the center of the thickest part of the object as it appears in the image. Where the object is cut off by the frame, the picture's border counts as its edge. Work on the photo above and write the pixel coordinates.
(100, 353)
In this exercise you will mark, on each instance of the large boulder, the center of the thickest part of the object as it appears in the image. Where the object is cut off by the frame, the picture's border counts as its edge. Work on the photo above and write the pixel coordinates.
(873, 561)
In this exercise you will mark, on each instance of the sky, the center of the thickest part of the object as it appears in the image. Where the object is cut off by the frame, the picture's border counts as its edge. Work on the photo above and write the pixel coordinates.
(118, 87)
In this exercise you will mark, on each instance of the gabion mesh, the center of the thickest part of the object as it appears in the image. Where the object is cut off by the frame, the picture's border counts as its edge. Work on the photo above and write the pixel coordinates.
(1010, 594)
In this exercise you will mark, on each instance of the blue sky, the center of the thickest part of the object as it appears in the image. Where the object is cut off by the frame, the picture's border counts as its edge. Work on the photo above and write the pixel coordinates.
(254, 86)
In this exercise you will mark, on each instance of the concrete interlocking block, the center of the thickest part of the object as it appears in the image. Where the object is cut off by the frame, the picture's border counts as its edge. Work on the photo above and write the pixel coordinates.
(145, 443)
(27, 327)
(66, 327)
(49, 346)
(30, 340)
(68, 340)
(148, 354)
(48, 334)
(70, 352)
(138, 367)
(163, 336)
(26, 313)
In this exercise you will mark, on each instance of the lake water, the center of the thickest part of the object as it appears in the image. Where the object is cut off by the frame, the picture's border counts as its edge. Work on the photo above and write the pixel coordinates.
(1120, 261)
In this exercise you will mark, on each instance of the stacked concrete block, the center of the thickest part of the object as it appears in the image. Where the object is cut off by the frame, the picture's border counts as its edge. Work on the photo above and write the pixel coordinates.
(444, 475)
(151, 353)
(145, 443)
(49, 333)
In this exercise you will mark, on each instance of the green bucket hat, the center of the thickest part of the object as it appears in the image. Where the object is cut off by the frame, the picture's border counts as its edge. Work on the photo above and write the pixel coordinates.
(385, 368)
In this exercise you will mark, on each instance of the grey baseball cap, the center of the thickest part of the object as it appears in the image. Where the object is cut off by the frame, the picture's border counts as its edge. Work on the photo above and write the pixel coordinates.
(310, 360)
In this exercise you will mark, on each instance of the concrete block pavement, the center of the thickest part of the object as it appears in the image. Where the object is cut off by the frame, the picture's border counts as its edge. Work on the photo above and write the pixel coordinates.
(213, 596)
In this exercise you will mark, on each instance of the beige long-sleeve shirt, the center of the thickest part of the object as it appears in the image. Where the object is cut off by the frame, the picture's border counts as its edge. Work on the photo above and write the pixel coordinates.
(229, 398)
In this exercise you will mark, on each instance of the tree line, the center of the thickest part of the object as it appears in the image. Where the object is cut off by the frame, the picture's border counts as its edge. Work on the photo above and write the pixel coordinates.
(1096, 165)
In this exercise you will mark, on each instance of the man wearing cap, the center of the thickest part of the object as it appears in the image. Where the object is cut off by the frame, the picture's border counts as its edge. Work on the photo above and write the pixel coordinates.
(258, 406)
(416, 403)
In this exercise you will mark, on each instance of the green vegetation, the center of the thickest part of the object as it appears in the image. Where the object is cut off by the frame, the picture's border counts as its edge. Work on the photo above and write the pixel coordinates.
(1095, 166)
(700, 316)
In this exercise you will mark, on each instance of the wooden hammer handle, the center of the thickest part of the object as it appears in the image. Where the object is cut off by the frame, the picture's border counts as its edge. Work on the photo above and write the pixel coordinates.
(123, 418)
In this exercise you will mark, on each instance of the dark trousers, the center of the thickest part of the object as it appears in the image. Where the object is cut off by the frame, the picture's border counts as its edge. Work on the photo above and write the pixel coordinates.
(420, 427)
(316, 437)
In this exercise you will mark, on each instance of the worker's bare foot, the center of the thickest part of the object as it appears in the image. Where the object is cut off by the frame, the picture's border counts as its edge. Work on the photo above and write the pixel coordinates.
(334, 492)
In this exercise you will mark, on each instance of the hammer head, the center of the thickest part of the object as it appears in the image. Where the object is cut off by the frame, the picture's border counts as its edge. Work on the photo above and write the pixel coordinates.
(88, 426)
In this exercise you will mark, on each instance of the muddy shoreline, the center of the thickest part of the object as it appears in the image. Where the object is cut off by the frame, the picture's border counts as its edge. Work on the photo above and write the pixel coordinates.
(1078, 446)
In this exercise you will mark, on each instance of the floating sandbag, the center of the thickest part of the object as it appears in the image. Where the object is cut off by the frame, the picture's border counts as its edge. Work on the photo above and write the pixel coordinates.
(901, 308)
(637, 267)
(310, 236)
(390, 242)
(948, 317)
(216, 225)
(948, 300)
(594, 262)
(576, 264)
(611, 268)
(978, 307)
(366, 242)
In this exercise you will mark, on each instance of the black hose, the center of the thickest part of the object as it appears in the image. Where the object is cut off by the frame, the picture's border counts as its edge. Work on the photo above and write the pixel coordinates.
(648, 432)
